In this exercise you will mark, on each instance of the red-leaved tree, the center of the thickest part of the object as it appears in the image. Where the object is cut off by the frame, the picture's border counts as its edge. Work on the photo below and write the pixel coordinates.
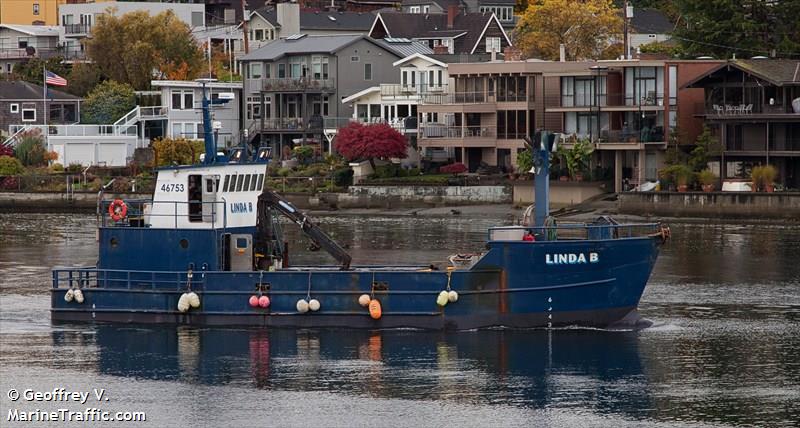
(357, 142)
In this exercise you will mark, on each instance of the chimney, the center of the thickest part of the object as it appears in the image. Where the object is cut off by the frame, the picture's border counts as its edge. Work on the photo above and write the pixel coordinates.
(512, 53)
(288, 15)
(452, 11)
(441, 50)
(562, 53)
(494, 55)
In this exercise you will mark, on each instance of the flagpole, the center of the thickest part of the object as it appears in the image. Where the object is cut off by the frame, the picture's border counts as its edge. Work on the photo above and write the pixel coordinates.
(44, 106)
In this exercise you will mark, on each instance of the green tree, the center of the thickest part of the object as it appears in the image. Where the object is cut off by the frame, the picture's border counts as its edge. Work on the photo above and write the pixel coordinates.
(585, 27)
(82, 79)
(177, 151)
(722, 28)
(706, 147)
(107, 102)
(135, 47)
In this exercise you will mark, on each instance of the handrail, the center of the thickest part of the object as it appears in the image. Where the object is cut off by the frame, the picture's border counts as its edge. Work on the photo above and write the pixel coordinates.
(136, 209)
(9, 142)
(592, 231)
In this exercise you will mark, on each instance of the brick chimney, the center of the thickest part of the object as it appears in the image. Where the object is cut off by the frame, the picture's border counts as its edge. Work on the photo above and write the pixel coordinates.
(441, 50)
(452, 11)
(512, 53)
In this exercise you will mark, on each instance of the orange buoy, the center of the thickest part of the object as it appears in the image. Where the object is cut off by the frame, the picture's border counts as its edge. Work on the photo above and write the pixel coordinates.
(254, 301)
(375, 309)
(263, 301)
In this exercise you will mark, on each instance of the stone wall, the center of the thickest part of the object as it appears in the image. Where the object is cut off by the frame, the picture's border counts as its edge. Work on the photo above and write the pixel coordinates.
(727, 205)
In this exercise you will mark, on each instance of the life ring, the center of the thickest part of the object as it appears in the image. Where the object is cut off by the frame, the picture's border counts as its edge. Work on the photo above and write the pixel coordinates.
(117, 210)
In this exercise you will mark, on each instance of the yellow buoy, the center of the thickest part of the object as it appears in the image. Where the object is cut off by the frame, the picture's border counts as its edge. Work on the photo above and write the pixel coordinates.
(375, 309)
(441, 300)
(363, 300)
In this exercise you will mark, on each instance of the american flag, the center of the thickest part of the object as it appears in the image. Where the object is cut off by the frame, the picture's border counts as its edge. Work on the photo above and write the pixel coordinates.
(51, 78)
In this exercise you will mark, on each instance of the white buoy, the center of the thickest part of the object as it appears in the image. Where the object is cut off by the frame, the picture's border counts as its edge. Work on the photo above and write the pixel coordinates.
(194, 300)
(363, 300)
(69, 295)
(452, 296)
(183, 302)
(78, 295)
(313, 304)
(302, 306)
(441, 300)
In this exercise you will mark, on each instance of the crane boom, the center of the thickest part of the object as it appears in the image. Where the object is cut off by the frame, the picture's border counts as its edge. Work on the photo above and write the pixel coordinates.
(272, 200)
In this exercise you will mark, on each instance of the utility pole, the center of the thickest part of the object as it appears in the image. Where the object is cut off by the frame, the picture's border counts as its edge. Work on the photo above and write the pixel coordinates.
(626, 21)
(244, 28)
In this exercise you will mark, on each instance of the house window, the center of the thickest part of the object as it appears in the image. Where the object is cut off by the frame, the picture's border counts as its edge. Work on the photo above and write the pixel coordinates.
(492, 44)
(367, 71)
(197, 19)
(439, 82)
(253, 108)
(66, 19)
(22, 43)
(258, 35)
(281, 71)
(414, 9)
(294, 70)
(319, 67)
(190, 130)
(182, 100)
(426, 9)
(36, 8)
(502, 13)
(255, 70)
(14, 108)
(29, 112)
(354, 58)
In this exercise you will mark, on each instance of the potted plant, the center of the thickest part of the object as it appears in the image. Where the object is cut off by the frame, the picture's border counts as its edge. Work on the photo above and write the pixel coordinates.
(707, 180)
(756, 176)
(769, 174)
(679, 174)
(577, 158)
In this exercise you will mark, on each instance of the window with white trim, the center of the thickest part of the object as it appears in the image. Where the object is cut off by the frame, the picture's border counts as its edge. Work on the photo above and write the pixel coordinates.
(182, 99)
(190, 130)
(414, 9)
(367, 71)
(492, 44)
(29, 112)
(14, 108)
(503, 13)
(426, 9)
(255, 70)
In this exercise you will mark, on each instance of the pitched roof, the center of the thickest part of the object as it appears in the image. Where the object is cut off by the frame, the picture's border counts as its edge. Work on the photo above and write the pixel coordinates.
(342, 21)
(35, 30)
(779, 72)
(404, 47)
(651, 21)
(21, 90)
(329, 44)
(428, 26)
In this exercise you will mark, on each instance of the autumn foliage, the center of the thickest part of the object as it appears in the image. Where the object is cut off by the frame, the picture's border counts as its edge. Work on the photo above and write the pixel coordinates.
(357, 142)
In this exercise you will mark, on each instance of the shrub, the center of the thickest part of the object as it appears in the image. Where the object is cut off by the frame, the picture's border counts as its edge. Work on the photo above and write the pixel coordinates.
(414, 172)
(303, 153)
(9, 183)
(680, 174)
(56, 167)
(343, 177)
(74, 168)
(454, 168)
(6, 151)
(284, 172)
(10, 166)
(30, 150)
(706, 177)
(179, 151)
(524, 161)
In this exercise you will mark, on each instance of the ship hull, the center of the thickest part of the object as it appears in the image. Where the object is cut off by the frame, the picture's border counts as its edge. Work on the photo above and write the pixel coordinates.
(594, 283)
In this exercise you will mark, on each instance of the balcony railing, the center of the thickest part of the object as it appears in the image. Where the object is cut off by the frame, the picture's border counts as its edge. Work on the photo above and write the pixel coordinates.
(68, 53)
(457, 132)
(459, 98)
(393, 90)
(736, 110)
(603, 100)
(76, 29)
(298, 84)
(400, 123)
(293, 124)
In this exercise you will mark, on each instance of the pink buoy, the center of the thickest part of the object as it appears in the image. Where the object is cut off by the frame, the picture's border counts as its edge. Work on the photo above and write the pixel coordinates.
(254, 301)
(263, 301)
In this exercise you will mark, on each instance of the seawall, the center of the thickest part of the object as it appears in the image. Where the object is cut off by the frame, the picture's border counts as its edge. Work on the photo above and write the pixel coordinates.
(724, 205)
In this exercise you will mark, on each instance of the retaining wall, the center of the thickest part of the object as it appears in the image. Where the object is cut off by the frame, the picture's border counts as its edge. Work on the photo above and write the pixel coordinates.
(734, 205)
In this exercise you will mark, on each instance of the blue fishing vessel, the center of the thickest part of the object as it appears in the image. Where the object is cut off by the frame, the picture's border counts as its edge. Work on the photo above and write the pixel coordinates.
(208, 249)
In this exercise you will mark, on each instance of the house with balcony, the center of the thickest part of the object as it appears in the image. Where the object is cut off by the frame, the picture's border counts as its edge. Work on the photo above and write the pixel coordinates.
(285, 19)
(292, 85)
(181, 108)
(461, 32)
(23, 103)
(625, 108)
(18, 43)
(753, 109)
(503, 9)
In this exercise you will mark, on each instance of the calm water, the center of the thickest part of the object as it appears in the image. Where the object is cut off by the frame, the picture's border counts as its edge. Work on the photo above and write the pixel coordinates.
(724, 349)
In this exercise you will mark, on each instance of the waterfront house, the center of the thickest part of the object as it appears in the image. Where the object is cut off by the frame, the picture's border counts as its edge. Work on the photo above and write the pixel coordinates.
(648, 26)
(753, 108)
(461, 32)
(503, 9)
(291, 85)
(181, 103)
(627, 109)
(21, 103)
(19, 43)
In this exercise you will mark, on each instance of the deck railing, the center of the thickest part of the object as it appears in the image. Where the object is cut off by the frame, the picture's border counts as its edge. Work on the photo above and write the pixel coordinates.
(577, 232)
(126, 279)
(142, 211)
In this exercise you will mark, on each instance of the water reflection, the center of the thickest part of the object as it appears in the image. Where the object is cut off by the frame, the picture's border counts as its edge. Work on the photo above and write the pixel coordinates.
(529, 369)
